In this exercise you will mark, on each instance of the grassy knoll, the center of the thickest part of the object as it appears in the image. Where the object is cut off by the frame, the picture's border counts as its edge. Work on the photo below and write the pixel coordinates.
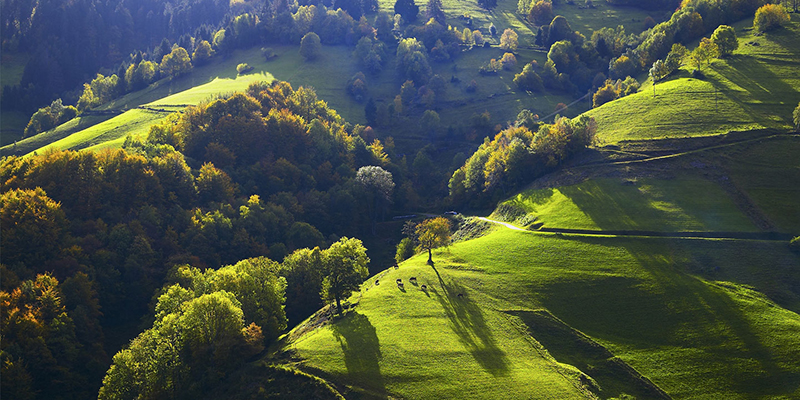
(664, 307)
(755, 88)
(681, 204)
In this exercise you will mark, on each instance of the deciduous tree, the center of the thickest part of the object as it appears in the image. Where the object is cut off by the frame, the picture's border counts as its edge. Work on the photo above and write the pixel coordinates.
(509, 40)
(658, 71)
(344, 269)
(433, 233)
(769, 17)
(725, 39)
(310, 47)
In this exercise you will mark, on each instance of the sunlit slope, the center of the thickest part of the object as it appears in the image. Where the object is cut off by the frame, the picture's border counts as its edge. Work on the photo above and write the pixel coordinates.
(757, 87)
(137, 122)
(682, 204)
(667, 308)
(434, 344)
(745, 187)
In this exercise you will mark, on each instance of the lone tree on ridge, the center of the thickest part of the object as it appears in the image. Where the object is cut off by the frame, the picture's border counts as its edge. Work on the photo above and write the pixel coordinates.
(433, 233)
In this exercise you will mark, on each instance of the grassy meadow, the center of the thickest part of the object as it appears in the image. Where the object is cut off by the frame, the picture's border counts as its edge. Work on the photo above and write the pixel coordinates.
(662, 307)
(647, 204)
(757, 87)
(769, 172)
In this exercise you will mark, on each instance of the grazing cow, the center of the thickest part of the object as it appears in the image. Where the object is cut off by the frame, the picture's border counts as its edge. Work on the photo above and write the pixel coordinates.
(413, 279)
(424, 287)
(399, 280)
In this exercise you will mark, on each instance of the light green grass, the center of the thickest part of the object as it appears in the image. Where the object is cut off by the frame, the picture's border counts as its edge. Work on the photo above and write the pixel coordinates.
(658, 304)
(677, 205)
(137, 122)
(433, 345)
(755, 88)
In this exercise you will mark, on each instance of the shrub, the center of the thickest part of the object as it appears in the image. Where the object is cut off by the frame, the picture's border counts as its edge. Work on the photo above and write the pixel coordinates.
(725, 39)
(405, 249)
(243, 68)
(492, 68)
(310, 47)
(49, 117)
(472, 86)
(605, 94)
(357, 87)
(769, 17)
(508, 61)
(528, 79)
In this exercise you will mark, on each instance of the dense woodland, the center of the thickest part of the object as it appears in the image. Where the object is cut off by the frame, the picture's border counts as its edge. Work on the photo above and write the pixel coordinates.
(241, 207)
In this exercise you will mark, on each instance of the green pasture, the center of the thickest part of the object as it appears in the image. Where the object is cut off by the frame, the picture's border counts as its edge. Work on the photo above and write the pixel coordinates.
(663, 307)
(769, 172)
(433, 345)
(757, 87)
(645, 204)
(137, 121)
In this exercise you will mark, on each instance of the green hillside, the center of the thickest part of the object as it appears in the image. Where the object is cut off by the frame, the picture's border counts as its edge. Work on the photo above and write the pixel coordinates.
(757, 87)
(644, 301)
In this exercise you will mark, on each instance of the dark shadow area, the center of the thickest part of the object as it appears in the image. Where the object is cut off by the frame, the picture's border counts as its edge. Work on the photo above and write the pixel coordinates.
(749, 73)
(467, 321)
(361, 351)
(566, 345)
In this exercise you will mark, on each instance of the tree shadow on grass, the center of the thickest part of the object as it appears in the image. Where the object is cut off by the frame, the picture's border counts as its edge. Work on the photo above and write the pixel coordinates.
(670, 308)
(467, 321)
(361, 351)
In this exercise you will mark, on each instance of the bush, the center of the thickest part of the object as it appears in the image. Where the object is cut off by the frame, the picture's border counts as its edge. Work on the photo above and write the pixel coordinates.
(769, 17)
(605, 94)
(405, 249)
(357, 87)
(49, 117)
(310, 47)
(243, 68)
(508, 61)
(796, 118)
(528, 79)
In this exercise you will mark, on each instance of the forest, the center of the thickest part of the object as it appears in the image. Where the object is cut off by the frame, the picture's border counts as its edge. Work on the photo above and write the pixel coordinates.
(248, 234)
